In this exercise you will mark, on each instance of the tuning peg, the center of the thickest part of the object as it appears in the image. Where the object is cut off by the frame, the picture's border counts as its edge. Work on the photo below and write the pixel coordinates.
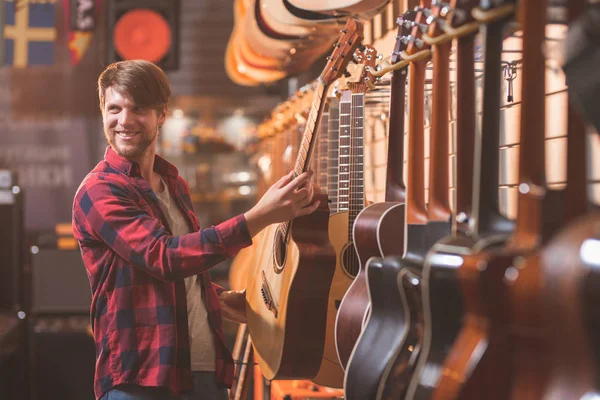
(399, 21)
(422, 27)
(344, 31)
(379, 56)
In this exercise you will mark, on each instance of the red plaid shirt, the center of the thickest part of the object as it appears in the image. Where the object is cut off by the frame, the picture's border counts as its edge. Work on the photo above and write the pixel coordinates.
(136, 270)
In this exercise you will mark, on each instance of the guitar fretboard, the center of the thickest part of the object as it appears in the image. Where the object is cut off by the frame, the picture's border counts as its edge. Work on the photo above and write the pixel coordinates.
(344, 155)
(307, 145)
(333, 155)
(351, 144)
(321, 160)
(357, 192)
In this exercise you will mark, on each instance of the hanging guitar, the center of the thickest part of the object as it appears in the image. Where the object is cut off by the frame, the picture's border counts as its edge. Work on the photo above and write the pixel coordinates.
(286, 298)
(438, 217)
(376, 234)
(452, 272)
(570, 293)
(350, 199)
(440, 291)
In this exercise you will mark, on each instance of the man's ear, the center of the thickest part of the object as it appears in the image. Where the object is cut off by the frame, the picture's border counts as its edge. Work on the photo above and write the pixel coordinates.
(162, 116)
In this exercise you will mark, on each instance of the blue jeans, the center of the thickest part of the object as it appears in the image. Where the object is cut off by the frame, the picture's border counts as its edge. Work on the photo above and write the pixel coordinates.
(204, 387)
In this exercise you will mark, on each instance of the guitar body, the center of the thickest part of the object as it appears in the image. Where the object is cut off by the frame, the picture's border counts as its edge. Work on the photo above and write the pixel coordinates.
(386, 324)
(331, 373)
(397, 375)
(337, 7)
(443, 311)
(375, 235)
(571, 295)
(475, 350)
(290, 342)
(238, 271)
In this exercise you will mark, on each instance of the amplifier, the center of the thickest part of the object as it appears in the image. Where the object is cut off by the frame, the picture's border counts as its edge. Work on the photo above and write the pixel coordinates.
(63, 358)
(60, 282)
(12, 242)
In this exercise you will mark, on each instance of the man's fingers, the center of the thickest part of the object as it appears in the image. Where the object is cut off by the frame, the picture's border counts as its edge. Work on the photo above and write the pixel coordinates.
(309, 209)
(298, 181)
(302, 194)
(286, 179)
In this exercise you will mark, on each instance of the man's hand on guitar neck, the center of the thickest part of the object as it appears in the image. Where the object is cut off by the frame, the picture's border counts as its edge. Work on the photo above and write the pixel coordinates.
(287, 199)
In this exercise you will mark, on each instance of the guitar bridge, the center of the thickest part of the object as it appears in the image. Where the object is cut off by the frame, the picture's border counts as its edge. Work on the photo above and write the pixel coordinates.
(267, 295)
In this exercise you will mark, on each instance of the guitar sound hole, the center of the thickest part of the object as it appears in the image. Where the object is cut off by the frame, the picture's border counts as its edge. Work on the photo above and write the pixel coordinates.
(280, 251)
(350, 263)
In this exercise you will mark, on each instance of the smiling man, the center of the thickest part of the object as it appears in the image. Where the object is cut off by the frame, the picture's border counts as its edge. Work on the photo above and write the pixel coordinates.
(156, 316)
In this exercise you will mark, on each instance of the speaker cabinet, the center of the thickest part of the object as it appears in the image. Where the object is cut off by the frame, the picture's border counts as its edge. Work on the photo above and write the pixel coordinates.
(63, 358)
(144, 30)
(12, 242)
(60, 282)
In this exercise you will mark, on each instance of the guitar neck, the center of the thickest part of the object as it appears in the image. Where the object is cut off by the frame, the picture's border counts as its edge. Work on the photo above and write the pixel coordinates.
(439, 202)
(357, 193)
(486, 210)
(308, 137)
(416, 213)
(308, 140)
(344, 140)
(333, 154)
(322, 151)
(532, 154)
(465, 126)
(532, 161)
(576, 200)
(395, 191)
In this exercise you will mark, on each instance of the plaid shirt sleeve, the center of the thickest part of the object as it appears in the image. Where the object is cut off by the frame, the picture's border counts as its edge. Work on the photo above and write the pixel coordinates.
(108, 212)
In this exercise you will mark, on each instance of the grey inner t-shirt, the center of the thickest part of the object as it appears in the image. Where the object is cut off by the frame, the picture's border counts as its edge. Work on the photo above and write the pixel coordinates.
(202, 346)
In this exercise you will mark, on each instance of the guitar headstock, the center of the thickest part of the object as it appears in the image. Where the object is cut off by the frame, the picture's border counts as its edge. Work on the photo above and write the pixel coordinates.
(352, 36)
(415, 41)
(404, 23)
(460, 11)
(365, 58)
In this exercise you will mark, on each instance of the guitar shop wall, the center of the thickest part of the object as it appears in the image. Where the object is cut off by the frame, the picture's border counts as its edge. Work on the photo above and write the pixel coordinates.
(52, 136)
(381, 32)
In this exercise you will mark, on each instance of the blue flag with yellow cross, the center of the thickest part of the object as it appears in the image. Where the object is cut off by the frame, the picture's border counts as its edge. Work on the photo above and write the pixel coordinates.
(29, 32)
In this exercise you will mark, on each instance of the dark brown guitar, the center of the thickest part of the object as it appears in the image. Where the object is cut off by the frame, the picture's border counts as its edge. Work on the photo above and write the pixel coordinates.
(457, 328)
(375, 231)
(569, 263)
(438, 215)
(286, 297)
(513, 360)
(442, 306)
(350, 195)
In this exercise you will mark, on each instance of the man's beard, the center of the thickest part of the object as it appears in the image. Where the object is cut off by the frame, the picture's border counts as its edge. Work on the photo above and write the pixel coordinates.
(130, 152)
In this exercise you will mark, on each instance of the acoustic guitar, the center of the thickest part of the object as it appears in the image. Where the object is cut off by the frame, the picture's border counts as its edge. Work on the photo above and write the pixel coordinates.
(440, 292)
(512, 362)
(274, 139)
(437, 219)
(376, 234)
(365, 8)
(454, 273)
(569, 275)
(286, 299)
(350, 194)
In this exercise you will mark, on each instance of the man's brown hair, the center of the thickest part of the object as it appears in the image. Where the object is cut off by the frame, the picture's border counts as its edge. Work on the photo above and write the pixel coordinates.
(144, 82)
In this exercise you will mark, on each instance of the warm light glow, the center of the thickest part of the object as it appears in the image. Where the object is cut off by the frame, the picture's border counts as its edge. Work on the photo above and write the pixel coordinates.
(446, 259)
(178, 113)
(245, 190)
(590, 252)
